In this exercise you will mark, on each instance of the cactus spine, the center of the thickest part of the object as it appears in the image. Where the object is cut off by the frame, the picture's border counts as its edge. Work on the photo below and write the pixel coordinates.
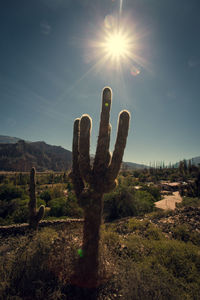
(34, 215)
(90, 183)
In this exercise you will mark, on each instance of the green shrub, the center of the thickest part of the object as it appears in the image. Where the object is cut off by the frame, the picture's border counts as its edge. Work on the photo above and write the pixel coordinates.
(145, 228)
(57, 191)
(72, 207)
(137, 225)
(28, 275)
(58, 207)
(160, 213)
(184, 233)
(124, 202)
(110, 238)
(195, 202)
(144, 202)
(159, 269)
(46, 196)
(9, 192)
(65, 207)
(119, 204)
(154, 191)
(145, 281)
(153, 233)
(21, 214)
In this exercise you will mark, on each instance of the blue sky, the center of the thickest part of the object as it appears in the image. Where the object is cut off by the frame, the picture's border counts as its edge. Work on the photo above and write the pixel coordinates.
(50, 74)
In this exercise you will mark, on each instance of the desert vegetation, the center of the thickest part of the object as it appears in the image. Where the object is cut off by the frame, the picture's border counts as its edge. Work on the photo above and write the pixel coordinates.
(156, 250)
(124, 249)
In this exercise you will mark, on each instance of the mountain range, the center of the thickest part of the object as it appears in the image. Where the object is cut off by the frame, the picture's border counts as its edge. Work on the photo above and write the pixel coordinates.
(19, 155)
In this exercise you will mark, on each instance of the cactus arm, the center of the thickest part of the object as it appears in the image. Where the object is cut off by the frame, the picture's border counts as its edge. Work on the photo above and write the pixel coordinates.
(76, 176)
(123, 126)
(84, 147)
(40, 213)
(102, 157)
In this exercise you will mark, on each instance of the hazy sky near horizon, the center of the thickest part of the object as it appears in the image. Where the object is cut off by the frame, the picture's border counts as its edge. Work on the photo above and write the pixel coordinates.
(52, 70)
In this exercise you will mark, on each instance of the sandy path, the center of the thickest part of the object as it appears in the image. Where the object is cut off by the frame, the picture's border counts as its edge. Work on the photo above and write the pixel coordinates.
(169, 201)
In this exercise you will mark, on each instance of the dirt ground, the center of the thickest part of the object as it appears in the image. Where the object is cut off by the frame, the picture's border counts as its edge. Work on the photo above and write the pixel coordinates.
(169, 202)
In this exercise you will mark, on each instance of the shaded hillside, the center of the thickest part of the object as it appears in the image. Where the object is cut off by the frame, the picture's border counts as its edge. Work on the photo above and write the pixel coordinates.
(21, 156)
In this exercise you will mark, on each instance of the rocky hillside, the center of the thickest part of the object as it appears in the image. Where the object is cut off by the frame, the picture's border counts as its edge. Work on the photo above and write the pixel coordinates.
(21, 156)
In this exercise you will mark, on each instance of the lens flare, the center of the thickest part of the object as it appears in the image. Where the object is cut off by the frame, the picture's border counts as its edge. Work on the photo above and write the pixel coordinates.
(135, 71)
(80, 252)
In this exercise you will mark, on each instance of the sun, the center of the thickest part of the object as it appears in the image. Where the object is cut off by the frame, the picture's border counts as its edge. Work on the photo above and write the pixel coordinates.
(116, 45)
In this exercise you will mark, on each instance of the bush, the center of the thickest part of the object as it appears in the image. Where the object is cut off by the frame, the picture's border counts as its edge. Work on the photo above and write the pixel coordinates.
(20, 215)
(160, 213)
(65, 207)
(160, 269)
(29, 275)
(195, 202)
(119, 204)
(184, 233)
(58, 207)
(144, 202)
(72, 207)
(9, 192)
(154, 191)
(57, 191)
(124, 202)
(46, 196)
(145, 228)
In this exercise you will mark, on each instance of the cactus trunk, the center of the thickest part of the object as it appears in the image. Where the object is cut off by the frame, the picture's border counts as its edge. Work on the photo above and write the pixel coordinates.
(34, 215)
(90, 183)
(91, 237)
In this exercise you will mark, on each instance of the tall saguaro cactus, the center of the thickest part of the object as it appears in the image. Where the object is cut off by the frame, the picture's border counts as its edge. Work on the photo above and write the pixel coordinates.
(91, 182)
(34, 215)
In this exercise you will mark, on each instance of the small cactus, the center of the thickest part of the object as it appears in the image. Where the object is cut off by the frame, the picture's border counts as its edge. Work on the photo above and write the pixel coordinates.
(91, 182)
(34, 215)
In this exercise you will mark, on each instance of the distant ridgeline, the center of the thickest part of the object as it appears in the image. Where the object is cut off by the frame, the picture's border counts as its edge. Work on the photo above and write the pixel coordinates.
(19, 155)
(22, 156)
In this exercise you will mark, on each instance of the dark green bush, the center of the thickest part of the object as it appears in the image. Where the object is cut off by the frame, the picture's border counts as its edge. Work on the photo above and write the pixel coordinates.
(46, 196)
(10, 197)
(159, 269)
(58, 207)
(20, 215)
(118, 204)
(154, 191)
(9, 192)
(124, 202)
(29, 275)
(145, 228)
(185, 233)
(144, 202)
(187, 201)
